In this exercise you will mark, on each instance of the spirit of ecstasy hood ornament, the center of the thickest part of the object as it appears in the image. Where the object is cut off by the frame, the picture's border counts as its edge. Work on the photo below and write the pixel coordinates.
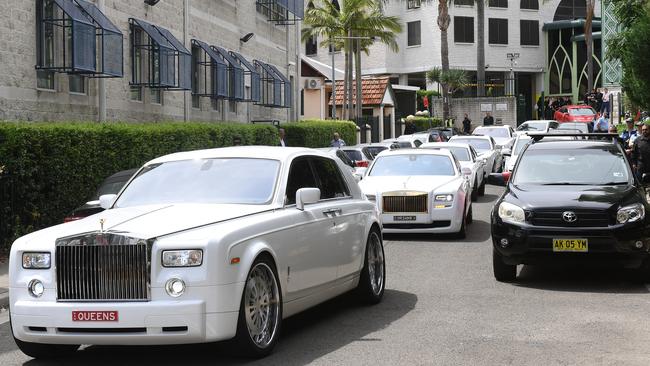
(101, 225)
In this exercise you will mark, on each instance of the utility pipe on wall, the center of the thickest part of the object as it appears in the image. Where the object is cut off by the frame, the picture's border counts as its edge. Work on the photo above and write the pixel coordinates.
(101, 84)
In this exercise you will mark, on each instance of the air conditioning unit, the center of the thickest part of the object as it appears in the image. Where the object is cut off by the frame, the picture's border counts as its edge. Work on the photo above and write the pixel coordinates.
(312, 84)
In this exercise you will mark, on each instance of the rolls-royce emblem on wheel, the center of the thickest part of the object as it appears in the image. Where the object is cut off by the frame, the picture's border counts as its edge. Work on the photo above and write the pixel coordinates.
(569, 216)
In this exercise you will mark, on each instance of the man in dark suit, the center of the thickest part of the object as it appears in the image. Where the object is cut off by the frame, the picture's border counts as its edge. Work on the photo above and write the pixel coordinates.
(283, 141)
(488, 120)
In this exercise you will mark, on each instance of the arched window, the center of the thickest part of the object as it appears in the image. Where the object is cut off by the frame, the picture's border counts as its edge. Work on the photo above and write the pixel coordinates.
(529, 4)
(571, 9)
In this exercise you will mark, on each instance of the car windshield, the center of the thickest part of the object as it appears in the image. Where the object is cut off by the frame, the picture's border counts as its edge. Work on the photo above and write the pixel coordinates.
(519, 146)
(412, 164)
(592, 165)
(582, 127)
(494, 132)
(461, 153)
(354, 155)
(532, 126)
(374, 150)
(581, 112)
(219, 180)
(480, 145)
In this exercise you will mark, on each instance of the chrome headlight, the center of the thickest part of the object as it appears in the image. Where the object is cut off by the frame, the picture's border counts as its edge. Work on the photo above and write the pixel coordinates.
(444, 198)
(511, 213)
(40, 260)
(182, 258)
(631, 213)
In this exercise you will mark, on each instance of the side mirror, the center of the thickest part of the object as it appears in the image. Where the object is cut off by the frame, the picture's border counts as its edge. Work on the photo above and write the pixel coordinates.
(107, 200)
(305, 196)
(499, 179)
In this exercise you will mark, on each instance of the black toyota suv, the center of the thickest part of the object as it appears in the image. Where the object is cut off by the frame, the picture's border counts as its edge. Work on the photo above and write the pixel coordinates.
(569, 201)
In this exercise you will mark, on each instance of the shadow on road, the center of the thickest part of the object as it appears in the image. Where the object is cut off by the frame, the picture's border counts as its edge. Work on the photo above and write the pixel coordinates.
(582, 278)
(477, 231)
(488, 198)
(305, 337)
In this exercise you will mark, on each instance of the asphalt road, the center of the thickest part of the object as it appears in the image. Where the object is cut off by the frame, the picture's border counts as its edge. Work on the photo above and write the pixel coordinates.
(442, 307)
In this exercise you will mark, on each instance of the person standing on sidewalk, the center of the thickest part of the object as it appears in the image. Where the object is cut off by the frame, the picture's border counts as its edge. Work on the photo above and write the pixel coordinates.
(606, 99)
(488, 120)
(337, 141)
(641, 152)
(467, 124)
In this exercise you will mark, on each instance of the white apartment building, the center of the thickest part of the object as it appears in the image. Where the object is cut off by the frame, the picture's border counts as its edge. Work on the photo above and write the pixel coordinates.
(521, 28)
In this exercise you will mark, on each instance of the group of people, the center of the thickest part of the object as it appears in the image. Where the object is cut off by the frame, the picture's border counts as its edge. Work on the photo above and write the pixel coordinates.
(599, 100)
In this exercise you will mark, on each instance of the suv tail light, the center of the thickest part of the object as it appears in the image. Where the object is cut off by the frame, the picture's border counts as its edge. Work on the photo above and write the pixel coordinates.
(362, 163)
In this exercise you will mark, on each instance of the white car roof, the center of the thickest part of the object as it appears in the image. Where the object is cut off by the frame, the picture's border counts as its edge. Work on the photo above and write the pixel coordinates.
(492, 127)
(541, 120)
(414, 151)
(442, 145)
(260, 152)
(471, 137)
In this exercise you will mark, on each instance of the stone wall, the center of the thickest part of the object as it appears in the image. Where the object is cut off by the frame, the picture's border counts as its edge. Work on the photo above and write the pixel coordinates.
(503, 109)
(217, 22)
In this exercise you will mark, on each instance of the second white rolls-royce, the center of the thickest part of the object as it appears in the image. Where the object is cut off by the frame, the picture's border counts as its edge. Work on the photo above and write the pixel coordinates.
(419, 191)
(198, 247)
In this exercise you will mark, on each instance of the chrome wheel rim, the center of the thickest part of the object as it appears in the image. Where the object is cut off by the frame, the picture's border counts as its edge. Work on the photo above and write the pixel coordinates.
(261, 305)
(375, 264)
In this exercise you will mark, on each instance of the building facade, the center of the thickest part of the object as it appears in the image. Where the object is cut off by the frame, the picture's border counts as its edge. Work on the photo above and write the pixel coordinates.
(195, 60)
(517, 57)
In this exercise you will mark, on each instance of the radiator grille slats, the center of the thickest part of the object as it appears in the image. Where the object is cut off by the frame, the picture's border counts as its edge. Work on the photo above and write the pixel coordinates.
(584, 218)
(400, 204)
(102, 272)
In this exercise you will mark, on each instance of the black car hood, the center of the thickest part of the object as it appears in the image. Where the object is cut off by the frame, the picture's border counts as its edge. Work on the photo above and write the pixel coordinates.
(531, 197)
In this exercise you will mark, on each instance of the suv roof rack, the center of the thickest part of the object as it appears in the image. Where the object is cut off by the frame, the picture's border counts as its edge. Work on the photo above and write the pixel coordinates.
(587, 136)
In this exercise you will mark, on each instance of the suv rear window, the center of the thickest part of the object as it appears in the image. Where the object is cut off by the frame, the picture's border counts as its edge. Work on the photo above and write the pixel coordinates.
(354, 155)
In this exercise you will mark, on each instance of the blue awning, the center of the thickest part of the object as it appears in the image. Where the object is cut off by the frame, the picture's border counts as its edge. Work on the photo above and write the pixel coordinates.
(153, 33)
(253, 74)
(97, 16)
(218, 73)
(236, 72)
(71, 10)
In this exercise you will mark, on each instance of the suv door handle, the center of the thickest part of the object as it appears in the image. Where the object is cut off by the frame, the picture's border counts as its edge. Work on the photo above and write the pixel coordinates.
(332, 212)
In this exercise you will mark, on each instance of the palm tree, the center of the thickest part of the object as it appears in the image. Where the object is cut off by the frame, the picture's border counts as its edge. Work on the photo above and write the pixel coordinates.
(443, 24)
(351, 28)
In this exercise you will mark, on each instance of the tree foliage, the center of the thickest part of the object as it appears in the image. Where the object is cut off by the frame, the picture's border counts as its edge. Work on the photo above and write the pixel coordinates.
(632, 47)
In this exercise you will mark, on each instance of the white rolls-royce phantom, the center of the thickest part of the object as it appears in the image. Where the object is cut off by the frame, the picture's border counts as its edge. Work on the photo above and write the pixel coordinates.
(199, 246)
(419, 191)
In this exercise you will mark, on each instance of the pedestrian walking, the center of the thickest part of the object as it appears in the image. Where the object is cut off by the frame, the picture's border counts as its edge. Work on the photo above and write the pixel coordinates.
(409, 128)
(283, 141)
(641, 152)
(488, 120)
(337, 141)
(467, 124)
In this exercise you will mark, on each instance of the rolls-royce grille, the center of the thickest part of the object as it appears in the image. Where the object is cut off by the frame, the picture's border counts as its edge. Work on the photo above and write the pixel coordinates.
(415, 203)
(102, 272)
(583, 218)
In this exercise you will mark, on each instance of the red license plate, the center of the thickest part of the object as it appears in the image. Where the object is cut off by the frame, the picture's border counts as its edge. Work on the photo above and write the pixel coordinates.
(94, 316)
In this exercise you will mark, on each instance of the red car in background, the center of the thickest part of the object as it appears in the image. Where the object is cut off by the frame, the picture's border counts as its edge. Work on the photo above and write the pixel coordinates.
(575, 113)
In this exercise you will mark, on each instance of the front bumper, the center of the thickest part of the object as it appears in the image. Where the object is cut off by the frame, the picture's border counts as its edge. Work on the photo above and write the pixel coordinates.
(440, 220)
(156, 322)
(529, 244)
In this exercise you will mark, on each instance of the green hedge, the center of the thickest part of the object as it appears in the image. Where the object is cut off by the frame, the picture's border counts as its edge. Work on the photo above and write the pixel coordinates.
(318, 133)
(48, 169)
(424, 123)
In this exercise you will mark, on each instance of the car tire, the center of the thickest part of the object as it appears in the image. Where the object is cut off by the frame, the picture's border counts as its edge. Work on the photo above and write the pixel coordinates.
(481, 189)
(462, 233)
(46, 351)
(372, 281)
(475, 192)
(502, 272)
(261, 298)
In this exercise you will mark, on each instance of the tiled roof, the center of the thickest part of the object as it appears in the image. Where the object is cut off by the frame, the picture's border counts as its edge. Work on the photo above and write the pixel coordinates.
(372, 91)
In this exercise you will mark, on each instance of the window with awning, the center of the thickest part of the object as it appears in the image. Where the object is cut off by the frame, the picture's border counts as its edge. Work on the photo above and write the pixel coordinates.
(275, 87)
(283, 12)
(235, 75)
(251, 78)
(75, 37)
(210, 75)
(159, 60)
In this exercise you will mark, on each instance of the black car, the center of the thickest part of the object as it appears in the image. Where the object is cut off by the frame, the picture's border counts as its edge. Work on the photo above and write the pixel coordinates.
(569, 201)
(110, 185)
(448, 132)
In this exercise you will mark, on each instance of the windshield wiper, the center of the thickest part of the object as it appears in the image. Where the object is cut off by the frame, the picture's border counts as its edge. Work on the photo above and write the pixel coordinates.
(562, 184)
(612, 184)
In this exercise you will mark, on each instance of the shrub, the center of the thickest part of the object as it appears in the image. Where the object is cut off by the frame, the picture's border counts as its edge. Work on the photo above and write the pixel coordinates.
(424, 123)
(318, 133)
(48, 169)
